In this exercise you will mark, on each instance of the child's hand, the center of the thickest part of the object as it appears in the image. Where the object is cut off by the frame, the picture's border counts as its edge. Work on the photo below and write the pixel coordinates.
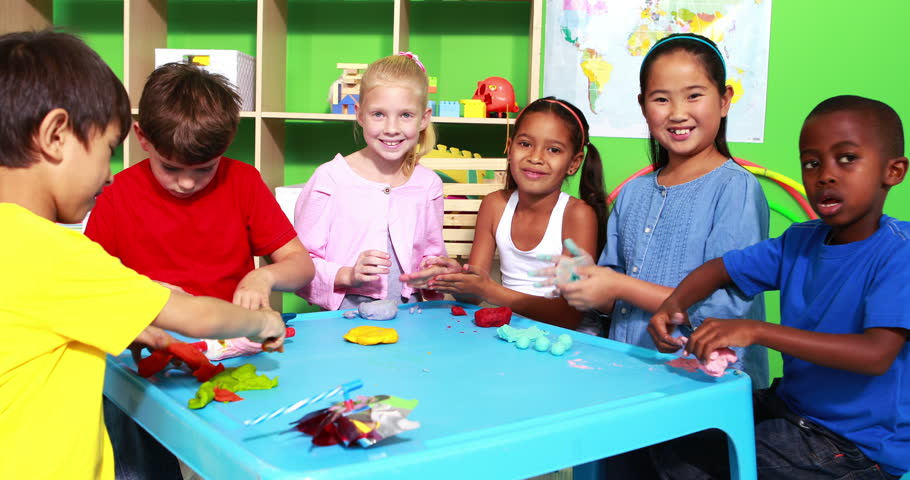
(594, 289)
(662, 324)
(369, 266)
(271, 335)
(253, 290)
(715, 333)
(564, 268)
(471, 281)
(151, 338)
(430, 267)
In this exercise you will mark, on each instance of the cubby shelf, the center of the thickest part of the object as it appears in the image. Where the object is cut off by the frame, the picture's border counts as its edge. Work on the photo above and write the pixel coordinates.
(145, 27)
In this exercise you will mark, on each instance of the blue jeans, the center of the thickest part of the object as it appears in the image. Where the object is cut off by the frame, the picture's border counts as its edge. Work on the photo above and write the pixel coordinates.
(137, 455)
(787, 446)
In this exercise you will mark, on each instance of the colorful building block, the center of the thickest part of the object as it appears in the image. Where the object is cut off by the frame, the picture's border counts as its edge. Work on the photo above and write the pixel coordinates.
(474, 108)
(449, 109)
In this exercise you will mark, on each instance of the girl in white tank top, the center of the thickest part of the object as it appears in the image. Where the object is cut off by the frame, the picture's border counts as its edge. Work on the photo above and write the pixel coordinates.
(531, 217)
(514, 263)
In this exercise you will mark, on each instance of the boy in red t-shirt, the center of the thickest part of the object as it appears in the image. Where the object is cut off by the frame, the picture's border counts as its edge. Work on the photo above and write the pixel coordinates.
(186, 215)
(191, 218)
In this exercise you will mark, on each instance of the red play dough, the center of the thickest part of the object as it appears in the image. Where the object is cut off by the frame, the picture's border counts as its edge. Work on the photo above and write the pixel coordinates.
(225, 395)
(202, 368)
(492, 317)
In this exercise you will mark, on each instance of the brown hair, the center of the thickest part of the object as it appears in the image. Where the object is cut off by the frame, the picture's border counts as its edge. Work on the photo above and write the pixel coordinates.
(397, 70)
(41, 71)
(188, 114)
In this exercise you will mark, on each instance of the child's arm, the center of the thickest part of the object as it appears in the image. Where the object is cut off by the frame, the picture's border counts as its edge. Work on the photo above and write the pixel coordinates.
(206, 317)
(600, 287)
(314, 216)
(475, 281)
(699, 284)
(291, 269)
(869, 353)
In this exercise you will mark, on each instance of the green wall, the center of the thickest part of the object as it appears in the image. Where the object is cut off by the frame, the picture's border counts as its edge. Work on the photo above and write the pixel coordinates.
(819, 48)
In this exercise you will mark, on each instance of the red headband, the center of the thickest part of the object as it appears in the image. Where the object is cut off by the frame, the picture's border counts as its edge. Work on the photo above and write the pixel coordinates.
(577, 118)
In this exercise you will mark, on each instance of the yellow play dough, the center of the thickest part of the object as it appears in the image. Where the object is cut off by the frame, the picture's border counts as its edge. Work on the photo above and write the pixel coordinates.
(369, 335)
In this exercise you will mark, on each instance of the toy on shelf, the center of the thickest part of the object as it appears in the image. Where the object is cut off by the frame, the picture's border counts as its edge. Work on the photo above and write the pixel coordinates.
(345, 92)
(433, 84)
(448, 109)
(499, 96)
(474, 108)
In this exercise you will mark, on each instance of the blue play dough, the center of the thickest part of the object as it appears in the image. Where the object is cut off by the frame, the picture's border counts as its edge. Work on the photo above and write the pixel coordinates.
(558, 348)
(542, 344)
(523, 343)
(565, 339)
(378, 310)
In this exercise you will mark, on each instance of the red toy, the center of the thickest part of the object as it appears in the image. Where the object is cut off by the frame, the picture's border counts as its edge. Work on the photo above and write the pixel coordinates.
(499, 96)
(202, 368)
(458, 311)
(492, 317)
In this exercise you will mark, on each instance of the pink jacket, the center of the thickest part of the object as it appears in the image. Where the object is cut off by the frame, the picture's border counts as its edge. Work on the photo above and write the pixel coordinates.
(340, 214)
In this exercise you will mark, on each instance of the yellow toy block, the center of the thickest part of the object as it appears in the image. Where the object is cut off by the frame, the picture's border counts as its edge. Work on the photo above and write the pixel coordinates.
(474, 108)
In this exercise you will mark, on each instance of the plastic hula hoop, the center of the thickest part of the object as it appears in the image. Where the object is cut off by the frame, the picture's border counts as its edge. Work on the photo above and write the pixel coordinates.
(789, 185)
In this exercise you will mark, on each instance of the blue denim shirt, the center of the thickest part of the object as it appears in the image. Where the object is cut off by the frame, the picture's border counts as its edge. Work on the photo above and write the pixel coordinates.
(660, 234)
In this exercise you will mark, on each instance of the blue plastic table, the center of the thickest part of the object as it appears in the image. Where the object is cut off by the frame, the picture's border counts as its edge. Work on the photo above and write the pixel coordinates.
(487, 409)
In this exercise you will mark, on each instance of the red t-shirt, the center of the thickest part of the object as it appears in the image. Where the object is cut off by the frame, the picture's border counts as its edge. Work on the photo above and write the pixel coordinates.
(205, 243)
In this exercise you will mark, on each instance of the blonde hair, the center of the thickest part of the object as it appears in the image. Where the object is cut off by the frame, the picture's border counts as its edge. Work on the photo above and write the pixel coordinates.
(402, 71)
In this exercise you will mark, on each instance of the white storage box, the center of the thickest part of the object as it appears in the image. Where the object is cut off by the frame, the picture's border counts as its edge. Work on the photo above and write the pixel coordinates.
(238, 67)
(287, 198)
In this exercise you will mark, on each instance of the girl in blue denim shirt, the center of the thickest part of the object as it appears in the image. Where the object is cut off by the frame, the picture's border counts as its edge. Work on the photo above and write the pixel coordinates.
(697, 205)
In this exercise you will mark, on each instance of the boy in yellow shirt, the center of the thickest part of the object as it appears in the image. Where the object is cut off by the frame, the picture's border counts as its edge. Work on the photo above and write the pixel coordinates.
(64, 302)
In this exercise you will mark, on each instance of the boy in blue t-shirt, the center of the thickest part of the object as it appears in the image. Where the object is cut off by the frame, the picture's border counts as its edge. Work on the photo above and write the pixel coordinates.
(842, 407)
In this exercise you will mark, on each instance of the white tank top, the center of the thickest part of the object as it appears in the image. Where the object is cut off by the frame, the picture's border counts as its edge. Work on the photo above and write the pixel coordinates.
(514, 263)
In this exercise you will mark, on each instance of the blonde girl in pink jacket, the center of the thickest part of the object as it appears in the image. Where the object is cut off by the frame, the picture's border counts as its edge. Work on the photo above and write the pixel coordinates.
(371, 216)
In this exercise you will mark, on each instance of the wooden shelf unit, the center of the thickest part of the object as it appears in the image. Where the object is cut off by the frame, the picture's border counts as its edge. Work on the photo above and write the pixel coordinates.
(145, 28)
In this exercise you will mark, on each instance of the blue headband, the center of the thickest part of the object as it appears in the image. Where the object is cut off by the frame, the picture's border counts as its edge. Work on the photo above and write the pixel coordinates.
(685, 37)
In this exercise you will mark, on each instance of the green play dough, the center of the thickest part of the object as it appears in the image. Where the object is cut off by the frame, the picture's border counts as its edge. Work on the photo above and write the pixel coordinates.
(523, 342)
(558, 348)
(235, 379)
(512, 334)
(542, 344)
(566, 340)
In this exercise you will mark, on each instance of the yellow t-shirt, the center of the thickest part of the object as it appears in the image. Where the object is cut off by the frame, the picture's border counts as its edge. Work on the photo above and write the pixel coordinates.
(64, 303)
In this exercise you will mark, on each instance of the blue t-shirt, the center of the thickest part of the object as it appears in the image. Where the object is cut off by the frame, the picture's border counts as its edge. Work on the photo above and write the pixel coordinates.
(841, 289)
(660, 234)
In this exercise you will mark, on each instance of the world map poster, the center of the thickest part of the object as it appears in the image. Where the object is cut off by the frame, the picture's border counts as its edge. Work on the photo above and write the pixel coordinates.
(594, 50)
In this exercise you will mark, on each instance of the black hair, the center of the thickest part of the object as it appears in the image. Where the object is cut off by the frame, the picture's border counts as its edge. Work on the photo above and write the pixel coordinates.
(708, 54)
(44, 70)
(591, 184)
(888, 124)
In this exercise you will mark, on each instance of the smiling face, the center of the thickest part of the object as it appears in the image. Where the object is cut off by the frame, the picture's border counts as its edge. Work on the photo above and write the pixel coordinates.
(682, 106)
(392, 119)
(845, 172)
(541, 154)
(87, 170)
